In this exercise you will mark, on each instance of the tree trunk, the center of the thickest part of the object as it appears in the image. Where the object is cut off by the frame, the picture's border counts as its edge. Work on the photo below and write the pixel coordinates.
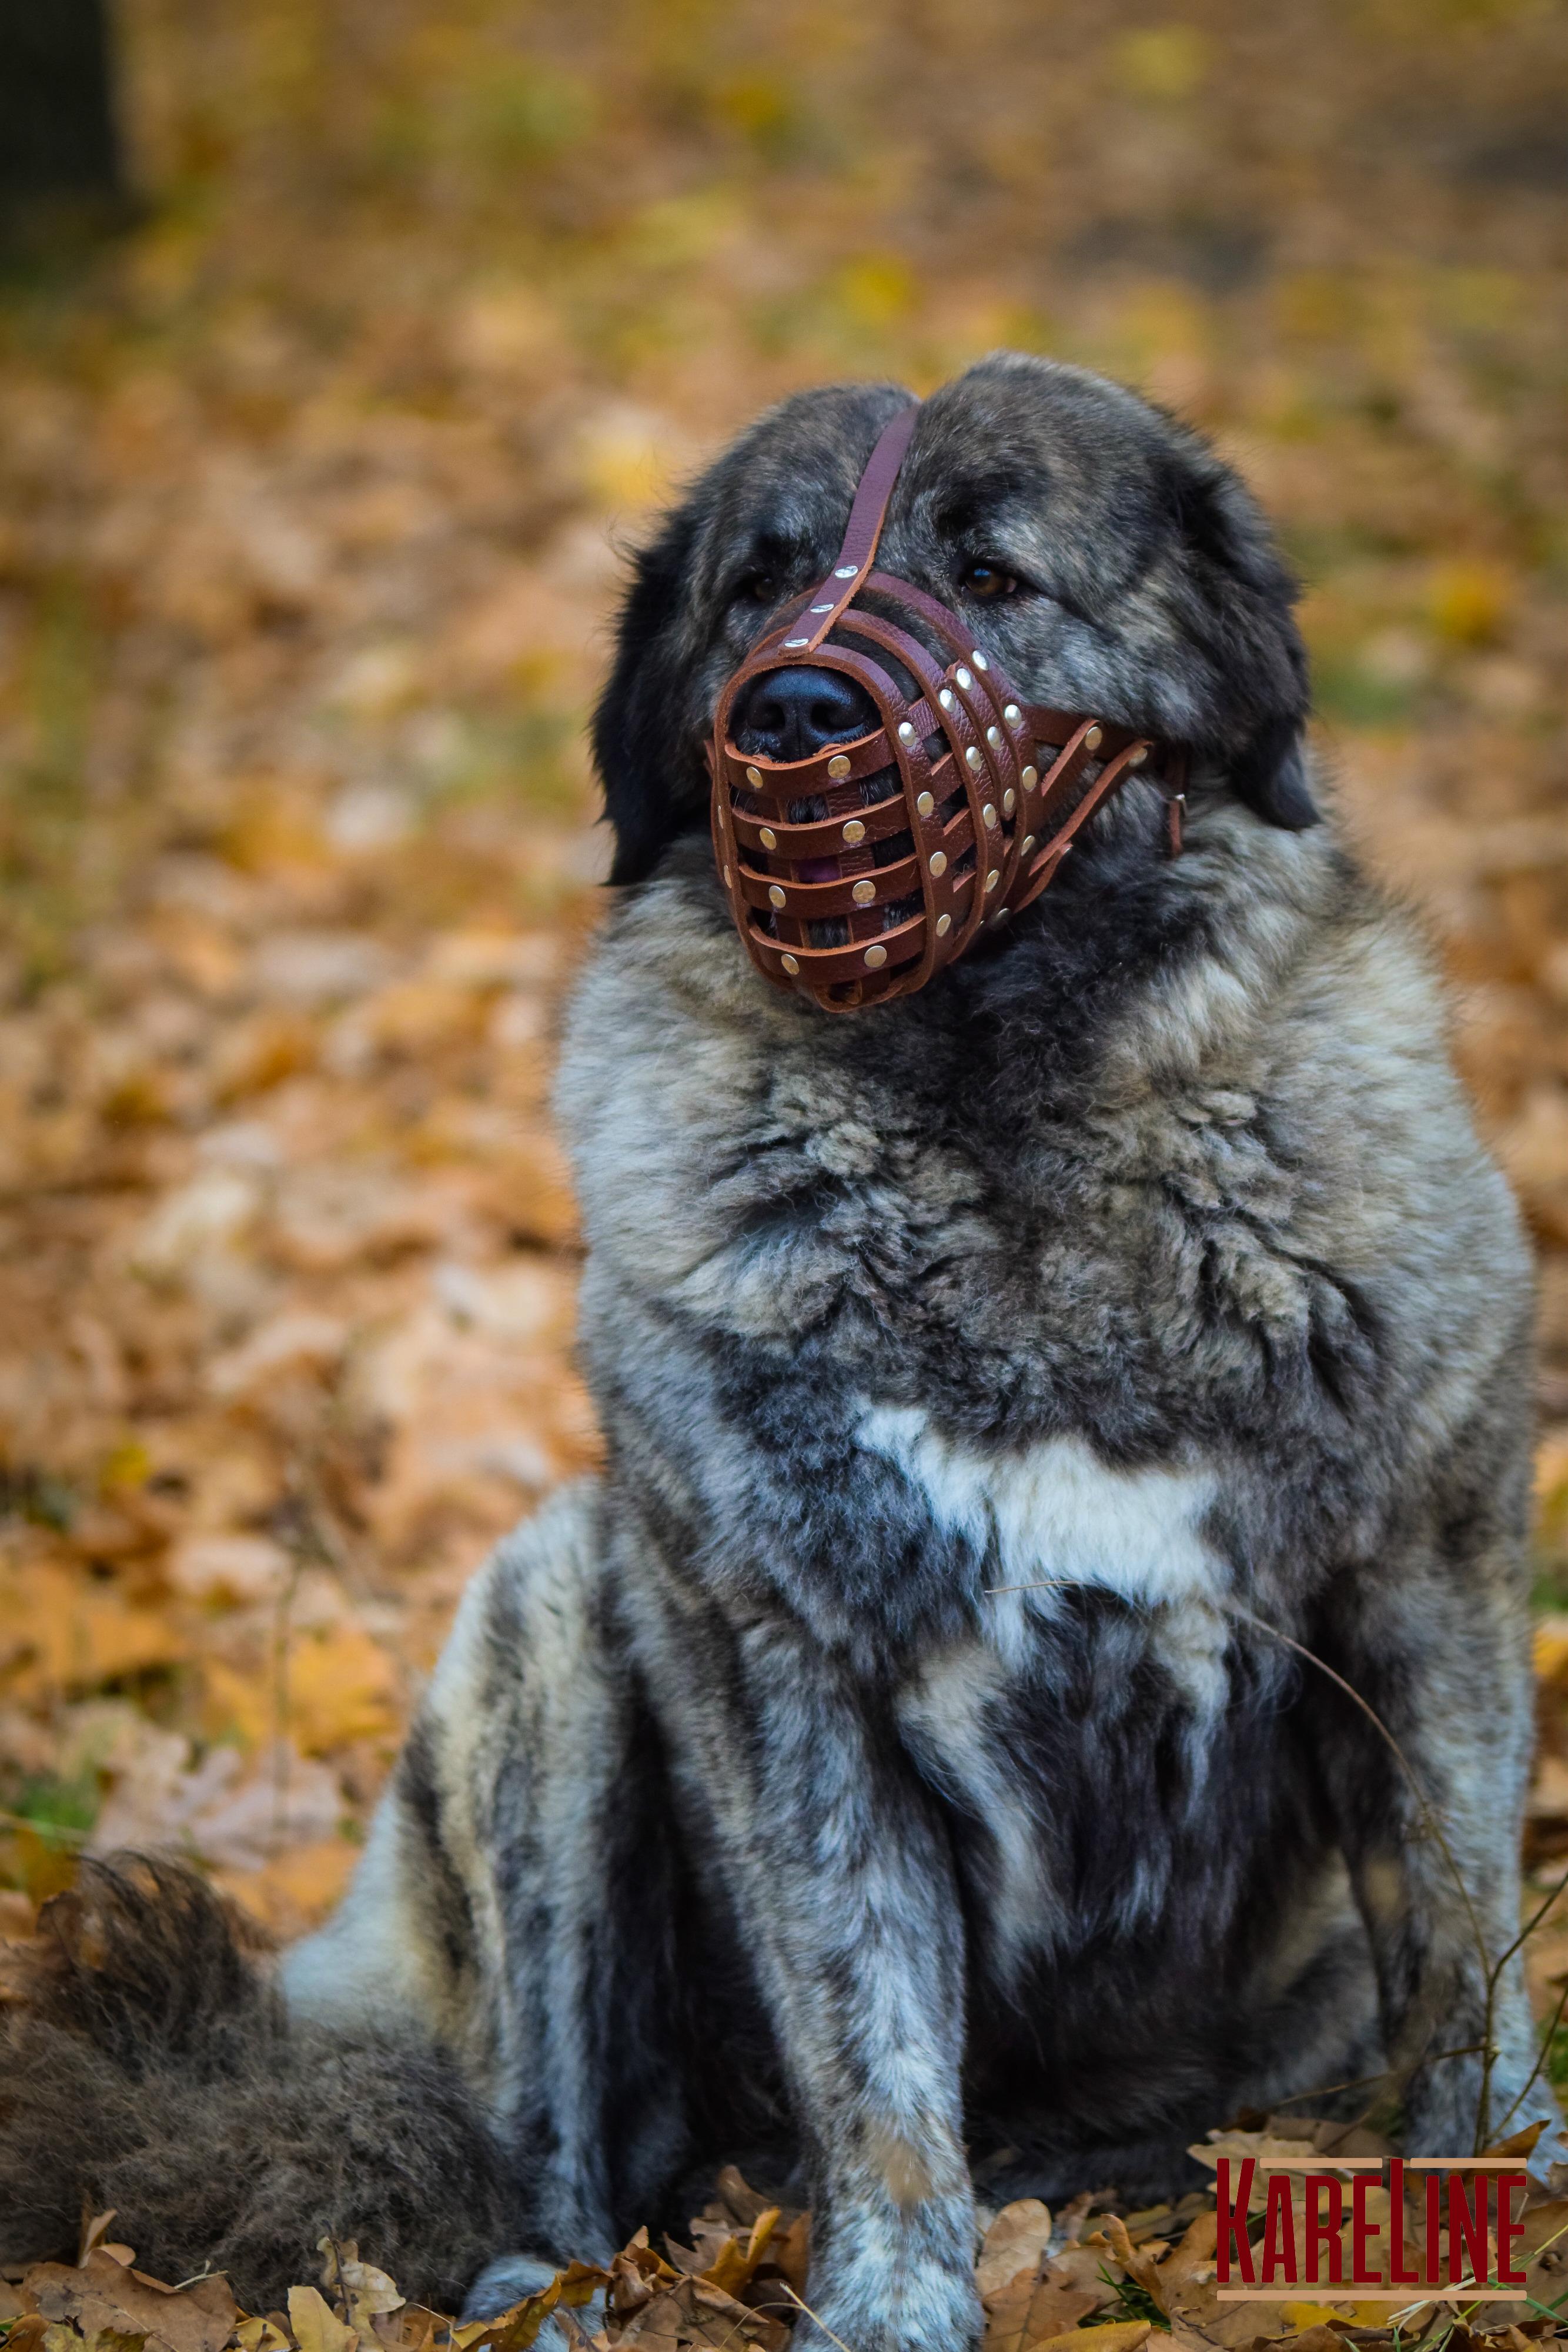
(58, 137)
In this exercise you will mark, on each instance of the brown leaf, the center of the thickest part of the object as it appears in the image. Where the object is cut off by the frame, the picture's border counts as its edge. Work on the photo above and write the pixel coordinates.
(315, 2325)
(101, 2295)
(1116, 2335)
(1016, 2241)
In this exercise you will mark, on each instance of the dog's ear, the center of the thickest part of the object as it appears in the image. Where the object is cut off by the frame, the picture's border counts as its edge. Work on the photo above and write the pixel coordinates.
(1241, 613)
(639, 724)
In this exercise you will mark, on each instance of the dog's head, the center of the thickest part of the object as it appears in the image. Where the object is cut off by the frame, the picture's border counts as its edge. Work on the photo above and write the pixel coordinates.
(1100, 552)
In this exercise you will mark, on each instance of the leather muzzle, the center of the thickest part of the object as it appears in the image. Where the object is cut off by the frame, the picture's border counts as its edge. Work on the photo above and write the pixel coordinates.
(857, 873)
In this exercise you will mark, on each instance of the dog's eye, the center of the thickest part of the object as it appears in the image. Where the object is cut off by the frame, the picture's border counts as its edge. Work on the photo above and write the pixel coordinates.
(757, 587)
(987, 582)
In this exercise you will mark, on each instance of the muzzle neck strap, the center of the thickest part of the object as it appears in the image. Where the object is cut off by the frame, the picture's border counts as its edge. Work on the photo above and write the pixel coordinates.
(867, 516)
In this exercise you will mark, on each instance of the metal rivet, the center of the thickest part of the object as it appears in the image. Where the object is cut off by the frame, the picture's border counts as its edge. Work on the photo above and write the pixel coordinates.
(1139, 756)
(726, 877)
(789, 963)
(945, 698)
(973, 756)
(1000, 917)
(838, 765)
(864, 893)
(855, 831)
(924, 805)
(1009, 801)
(846, 571)
(1096, 737)
(944, 925)
(992, 878)
(791, 643)
(906, 731)
(875, 958)
(821, 608)
(939, 861)
(965, 681)
(988, 814)
(776, 896)
(1031, 778)
(1012, 714)
(994, 736)
(767, 837)
(754, 775)
(980, 660)
(1028, 845)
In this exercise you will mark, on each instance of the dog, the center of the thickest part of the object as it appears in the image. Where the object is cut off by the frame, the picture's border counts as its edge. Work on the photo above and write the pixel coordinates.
(1045, 1665)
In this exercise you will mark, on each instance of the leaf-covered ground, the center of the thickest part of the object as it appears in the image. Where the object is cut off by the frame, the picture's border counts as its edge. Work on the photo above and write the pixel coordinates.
(310, 492)
(1094, 2277)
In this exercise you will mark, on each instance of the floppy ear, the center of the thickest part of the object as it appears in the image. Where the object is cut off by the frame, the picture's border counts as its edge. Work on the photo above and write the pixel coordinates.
(1242, 615)
(638, 726)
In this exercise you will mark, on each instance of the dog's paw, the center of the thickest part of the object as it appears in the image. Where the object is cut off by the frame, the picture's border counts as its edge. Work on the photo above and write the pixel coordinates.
(926, 2308)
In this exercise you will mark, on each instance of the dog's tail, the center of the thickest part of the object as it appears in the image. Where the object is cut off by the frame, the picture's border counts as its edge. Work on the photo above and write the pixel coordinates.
(146, 2063)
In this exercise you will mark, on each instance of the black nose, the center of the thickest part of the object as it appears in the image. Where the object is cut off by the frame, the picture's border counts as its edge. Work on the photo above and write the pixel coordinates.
(791, 713)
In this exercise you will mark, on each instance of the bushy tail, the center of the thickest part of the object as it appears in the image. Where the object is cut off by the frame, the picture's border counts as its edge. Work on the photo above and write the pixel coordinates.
(146, 2063)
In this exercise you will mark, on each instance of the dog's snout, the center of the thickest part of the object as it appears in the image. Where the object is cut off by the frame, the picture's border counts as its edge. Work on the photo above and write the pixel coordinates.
(788, 714)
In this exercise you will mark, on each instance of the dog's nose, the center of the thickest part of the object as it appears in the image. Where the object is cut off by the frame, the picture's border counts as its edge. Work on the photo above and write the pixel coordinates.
(791, 713)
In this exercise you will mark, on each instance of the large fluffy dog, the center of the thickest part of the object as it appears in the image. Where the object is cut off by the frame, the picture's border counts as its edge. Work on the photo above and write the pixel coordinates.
(900, 1753)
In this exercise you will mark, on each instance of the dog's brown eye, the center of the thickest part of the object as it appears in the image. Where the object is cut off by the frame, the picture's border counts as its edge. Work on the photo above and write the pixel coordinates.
(985, 582)
(755, 588)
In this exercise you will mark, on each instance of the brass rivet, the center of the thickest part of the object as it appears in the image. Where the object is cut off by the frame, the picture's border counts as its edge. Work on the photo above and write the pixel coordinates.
(837, 766)
(1028, 845)
(973, 756)
(944, 925)
(992, 878)
(864, 893)
(1009, 801)
(855, 831)
(754, 775)
(776, 896)
(1012, 714)
(993, 737)
(945, 698)
(1096, 737)
(924, 805)
(988, 814)
(1139, 756)
(726, 877)
(789, 963)
(767, 837)
(846, 571)
(875, 958)
(980, 660)
(906, 731)
(939, 861)
(1031, 778)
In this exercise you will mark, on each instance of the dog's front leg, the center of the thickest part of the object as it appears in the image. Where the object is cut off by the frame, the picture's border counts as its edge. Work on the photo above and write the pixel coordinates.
(843, 1882)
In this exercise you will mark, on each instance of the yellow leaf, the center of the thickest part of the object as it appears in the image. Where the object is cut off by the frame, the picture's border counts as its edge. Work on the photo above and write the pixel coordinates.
(316, 2327)
(1116, 2336)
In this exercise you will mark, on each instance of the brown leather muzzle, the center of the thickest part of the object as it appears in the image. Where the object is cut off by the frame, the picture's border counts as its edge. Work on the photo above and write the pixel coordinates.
(855, 874)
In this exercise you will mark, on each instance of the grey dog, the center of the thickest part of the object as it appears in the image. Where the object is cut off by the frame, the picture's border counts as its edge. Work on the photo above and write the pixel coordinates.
(1045, 1665)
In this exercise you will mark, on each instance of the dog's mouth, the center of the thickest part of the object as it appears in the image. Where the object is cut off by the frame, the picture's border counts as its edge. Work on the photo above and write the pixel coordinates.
(873, 810)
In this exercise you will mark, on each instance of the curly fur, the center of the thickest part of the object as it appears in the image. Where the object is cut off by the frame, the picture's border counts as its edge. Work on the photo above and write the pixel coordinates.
(148, 2065)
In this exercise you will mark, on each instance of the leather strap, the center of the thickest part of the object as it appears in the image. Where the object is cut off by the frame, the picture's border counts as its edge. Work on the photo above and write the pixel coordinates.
(867, 516)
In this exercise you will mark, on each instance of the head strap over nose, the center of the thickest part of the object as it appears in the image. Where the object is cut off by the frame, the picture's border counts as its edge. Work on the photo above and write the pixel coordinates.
(856, 872)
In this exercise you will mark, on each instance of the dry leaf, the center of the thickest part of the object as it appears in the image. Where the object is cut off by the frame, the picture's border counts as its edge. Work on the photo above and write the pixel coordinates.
(101, 2295)
(1015, 2241)
(315, 2325)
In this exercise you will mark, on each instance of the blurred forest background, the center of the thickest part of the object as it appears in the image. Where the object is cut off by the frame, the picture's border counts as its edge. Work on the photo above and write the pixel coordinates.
(319, 438)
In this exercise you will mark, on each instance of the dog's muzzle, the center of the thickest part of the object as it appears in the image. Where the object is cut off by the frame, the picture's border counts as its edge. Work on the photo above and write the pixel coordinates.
(857, 873)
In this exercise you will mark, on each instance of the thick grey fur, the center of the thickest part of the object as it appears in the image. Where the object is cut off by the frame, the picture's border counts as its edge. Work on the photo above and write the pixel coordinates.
(886, 1762)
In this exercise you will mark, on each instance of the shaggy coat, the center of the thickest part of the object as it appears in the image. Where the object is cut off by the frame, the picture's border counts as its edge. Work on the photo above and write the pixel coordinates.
(1043, 1416)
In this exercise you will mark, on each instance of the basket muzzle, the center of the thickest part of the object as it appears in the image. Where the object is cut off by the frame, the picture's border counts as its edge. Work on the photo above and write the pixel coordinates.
(855, 874)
